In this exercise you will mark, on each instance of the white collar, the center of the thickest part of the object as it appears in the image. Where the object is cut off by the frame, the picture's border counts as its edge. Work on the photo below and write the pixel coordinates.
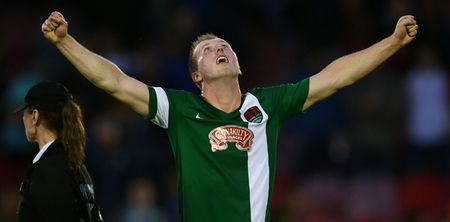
(41, 152)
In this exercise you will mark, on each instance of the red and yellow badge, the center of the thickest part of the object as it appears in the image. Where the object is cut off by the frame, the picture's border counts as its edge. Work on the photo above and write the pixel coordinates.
(220, 136)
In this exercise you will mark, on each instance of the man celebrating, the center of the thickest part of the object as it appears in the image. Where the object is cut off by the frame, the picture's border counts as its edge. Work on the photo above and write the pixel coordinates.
(224, 142)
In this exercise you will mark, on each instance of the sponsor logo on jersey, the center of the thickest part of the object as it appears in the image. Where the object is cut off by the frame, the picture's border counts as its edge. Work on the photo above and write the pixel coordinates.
(220, 136)
(253, 115)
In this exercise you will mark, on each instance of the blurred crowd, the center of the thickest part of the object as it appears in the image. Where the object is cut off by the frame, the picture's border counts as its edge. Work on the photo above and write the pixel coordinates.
(378, 151)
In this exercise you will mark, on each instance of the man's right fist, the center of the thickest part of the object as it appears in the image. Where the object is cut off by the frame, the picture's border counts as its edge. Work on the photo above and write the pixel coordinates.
(55, 27)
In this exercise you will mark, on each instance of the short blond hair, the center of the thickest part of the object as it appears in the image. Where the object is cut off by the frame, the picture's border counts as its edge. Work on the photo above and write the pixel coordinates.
(193, 66)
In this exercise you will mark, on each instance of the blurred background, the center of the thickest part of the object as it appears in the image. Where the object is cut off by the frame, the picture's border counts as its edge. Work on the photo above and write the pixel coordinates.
(378, 151)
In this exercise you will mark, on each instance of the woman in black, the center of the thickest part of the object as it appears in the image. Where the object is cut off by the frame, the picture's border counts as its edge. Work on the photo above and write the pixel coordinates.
(57, 187)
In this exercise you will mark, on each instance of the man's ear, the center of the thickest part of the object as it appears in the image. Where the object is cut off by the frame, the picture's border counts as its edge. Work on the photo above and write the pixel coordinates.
(196, 77)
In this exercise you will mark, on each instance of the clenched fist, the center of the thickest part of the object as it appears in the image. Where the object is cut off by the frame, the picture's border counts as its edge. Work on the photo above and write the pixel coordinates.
(406, 29)
(55, 27)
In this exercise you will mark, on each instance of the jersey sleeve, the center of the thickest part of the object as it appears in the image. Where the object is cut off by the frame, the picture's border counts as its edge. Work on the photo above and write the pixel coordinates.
(158, 107)
(165, 105)
(285, 100)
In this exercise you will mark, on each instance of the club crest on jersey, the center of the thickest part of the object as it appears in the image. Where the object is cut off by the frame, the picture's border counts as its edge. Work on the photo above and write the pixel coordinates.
(253, 115)
(220, 136)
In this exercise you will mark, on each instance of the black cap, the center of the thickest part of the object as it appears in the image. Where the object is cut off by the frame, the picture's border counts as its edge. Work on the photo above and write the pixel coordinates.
(46, 96)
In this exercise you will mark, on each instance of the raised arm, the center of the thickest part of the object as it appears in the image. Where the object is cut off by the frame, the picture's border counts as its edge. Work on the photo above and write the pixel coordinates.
(101, 72)
(350, 68)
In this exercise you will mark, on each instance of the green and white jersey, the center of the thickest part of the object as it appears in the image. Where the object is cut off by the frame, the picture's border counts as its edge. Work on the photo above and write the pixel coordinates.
(225, 161)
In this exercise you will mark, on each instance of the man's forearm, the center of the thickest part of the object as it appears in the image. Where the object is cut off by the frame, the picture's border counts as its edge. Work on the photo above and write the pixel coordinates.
(350, 68)
(98, 70)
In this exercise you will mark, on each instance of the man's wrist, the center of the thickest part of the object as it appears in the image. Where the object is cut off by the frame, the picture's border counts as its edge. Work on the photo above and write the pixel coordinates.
(393, 42)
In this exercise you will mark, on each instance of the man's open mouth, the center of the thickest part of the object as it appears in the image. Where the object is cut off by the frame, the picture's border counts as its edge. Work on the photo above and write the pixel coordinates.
(221, 59)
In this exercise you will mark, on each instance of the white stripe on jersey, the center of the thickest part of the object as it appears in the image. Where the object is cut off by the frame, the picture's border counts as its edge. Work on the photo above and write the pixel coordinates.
(162, 113)
(258, 162)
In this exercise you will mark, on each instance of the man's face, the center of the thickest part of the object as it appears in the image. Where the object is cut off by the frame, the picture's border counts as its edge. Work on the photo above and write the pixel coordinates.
(215, 59)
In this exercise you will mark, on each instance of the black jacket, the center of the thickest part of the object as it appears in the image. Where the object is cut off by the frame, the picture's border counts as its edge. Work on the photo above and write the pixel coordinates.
(49, 190)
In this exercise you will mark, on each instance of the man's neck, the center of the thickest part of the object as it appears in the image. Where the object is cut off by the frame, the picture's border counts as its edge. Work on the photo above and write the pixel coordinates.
(224, 95)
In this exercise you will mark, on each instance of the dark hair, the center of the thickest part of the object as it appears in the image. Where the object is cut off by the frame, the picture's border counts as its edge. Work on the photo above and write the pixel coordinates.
(193, 66)
(68, 124)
